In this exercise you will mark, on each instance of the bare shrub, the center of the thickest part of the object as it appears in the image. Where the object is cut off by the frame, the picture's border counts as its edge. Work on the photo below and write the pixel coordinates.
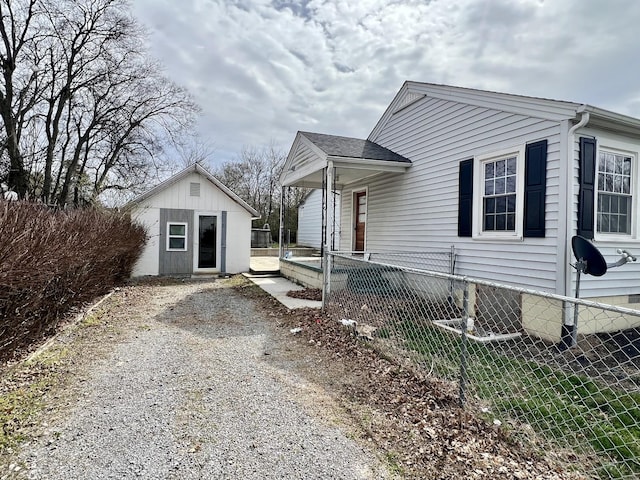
(51, 261)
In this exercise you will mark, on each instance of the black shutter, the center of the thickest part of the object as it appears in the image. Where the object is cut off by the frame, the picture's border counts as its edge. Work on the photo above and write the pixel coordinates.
(465, 198)
(535, 184)
(587, 177)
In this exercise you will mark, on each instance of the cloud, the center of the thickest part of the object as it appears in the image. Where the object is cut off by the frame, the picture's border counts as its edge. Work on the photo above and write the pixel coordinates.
(263, 69)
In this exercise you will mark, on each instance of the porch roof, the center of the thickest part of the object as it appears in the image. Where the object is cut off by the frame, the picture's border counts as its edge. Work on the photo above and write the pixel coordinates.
(353, 158)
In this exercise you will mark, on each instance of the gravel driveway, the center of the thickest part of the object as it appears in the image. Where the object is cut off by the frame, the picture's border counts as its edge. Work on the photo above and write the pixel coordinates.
(197, 386)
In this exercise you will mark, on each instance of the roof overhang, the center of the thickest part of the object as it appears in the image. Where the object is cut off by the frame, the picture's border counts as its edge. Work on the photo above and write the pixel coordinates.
(306, 162)
(195, 168)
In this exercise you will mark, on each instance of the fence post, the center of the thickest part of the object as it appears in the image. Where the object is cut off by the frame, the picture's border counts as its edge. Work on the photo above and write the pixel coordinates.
(463, 346)
(326, 276)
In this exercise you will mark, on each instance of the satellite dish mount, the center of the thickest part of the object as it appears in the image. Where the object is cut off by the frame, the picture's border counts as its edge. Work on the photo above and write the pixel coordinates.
(590, 261)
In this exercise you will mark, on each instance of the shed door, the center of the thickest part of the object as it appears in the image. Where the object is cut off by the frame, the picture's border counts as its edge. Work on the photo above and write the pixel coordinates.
(360, 215)
(207, 241)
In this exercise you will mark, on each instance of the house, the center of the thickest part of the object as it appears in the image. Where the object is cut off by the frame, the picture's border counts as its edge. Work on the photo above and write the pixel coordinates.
(506, 179)
(310, 220)
(195, 224)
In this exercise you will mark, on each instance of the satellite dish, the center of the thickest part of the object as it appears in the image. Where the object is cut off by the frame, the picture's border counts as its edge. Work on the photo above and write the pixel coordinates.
(591, 258)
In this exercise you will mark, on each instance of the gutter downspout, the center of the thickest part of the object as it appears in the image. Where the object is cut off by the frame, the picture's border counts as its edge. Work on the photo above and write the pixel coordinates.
(569, 222)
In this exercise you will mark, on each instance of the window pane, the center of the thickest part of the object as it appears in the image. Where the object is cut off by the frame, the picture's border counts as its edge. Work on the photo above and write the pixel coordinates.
(609, 160)
(602, 162)
(501, 222)
(176, 243)
(511, 221)
(613, 223)
(488, 170)
(511, 204)
(511, 166)
(608, 183)
(624, 204)
(626, 169)
(488, 187)
(489, 205)
(618, 164)
(604, 223)
(625, 223)
(511, 184)
(626, 185)
(176, 230)
(489, 223)
(501, 204)
(500, 168)
(500, 185)
(617, 183)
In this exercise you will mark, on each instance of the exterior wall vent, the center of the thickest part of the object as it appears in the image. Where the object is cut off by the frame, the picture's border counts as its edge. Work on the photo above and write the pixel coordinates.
(194, 189)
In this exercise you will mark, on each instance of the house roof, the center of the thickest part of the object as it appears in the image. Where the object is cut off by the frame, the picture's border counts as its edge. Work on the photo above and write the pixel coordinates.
(195, 168)
(348, 147)
(545, 108)
(353, 158)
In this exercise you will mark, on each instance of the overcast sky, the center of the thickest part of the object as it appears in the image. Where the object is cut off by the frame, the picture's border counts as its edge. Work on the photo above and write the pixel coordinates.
(263, 69)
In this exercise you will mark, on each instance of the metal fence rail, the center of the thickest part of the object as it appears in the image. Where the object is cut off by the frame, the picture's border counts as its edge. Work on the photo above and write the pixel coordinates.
(507, 349)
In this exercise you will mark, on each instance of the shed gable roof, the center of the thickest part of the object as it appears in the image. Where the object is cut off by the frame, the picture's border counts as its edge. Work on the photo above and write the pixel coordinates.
(195, 168)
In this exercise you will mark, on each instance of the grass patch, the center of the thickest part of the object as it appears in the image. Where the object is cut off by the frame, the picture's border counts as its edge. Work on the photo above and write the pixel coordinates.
(22, 396)
(568, 409)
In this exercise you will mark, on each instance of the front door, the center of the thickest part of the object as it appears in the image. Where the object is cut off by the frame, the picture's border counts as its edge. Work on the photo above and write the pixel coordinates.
(207, 241)
(360, 215)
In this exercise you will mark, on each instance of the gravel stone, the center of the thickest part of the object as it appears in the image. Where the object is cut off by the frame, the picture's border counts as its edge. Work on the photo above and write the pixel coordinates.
(197, 388)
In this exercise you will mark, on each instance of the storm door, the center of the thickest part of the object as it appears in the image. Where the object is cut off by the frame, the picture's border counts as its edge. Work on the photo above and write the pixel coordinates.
(207, 241)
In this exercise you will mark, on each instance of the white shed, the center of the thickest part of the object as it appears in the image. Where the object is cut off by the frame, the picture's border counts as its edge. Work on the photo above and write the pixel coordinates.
(195, 224)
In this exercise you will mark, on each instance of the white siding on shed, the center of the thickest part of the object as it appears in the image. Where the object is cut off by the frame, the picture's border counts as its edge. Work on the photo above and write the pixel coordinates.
(211, 201)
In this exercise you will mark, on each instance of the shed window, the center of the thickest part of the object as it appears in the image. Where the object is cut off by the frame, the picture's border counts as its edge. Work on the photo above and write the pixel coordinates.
(176, 236)
(614, 192)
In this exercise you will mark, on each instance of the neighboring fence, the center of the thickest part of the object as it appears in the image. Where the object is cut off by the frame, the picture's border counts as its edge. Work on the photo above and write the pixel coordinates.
(511, 351)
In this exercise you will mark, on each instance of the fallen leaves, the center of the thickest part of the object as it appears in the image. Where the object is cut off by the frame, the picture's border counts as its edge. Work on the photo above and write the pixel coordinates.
(415, 420)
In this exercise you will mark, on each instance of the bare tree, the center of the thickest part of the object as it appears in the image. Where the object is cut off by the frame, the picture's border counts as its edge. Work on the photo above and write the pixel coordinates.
(19, 91)
(254, 176)
(98, 113)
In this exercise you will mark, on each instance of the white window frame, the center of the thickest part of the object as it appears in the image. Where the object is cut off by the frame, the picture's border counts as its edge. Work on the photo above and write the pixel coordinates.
(185, 236)
(478, 193)
(620, 148)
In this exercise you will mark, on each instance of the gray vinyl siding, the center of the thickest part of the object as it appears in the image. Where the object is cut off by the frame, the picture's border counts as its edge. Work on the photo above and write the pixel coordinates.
(418, 210)
(175, 263)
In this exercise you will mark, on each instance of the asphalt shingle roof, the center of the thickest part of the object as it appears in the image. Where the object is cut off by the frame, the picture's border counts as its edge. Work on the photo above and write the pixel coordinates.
(336, 146)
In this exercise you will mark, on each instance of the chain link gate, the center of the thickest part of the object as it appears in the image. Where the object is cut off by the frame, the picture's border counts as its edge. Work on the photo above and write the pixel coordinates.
(502, 346)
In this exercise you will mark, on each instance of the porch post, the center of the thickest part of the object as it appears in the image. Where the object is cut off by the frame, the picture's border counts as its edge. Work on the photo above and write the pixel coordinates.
(331, 200)
(281, 232)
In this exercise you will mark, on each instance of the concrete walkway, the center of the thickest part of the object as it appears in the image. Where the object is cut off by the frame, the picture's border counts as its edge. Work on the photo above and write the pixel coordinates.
(261, 265)
(278, 287)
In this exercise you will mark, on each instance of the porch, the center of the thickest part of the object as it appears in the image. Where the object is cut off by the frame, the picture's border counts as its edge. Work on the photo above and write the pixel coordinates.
(330, 163)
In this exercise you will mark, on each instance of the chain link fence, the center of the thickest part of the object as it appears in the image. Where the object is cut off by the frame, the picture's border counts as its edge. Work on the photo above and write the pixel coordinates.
(514, 353)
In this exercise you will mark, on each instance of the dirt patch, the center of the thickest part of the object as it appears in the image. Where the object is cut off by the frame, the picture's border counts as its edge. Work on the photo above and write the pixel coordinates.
(306, 294)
